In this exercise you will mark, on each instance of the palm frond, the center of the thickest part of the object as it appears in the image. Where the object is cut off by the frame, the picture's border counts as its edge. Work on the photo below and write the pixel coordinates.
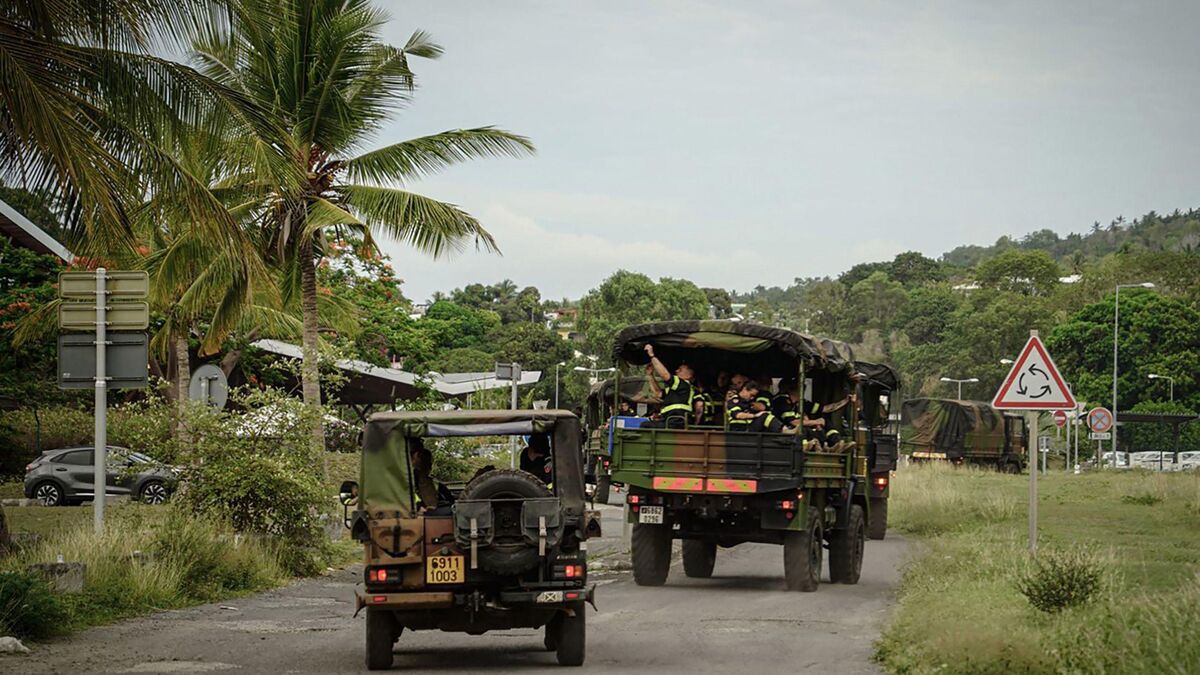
(417, 157)
(430, 226)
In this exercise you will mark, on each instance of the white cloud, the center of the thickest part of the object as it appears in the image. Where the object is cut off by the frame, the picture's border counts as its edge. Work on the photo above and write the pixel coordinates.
(559, 263)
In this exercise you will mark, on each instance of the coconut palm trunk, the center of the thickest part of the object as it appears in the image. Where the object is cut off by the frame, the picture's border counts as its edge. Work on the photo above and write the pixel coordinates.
(310, 373)
(183, 380)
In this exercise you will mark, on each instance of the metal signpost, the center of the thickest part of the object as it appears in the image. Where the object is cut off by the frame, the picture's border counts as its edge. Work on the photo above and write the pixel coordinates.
(1033, 384)
(511, 371)
(91, 311)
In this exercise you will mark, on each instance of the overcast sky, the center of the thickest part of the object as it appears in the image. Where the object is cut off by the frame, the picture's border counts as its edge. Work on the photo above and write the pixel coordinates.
(739, 143)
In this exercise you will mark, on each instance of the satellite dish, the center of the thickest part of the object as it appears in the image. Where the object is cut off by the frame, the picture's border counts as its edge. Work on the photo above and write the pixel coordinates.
(209, 385)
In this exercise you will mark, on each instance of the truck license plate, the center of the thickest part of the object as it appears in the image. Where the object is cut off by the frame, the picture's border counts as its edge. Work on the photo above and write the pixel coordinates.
(651, 514)
(444, 569)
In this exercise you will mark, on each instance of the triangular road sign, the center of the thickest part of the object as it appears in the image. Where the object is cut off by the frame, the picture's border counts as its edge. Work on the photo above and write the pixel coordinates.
(1034, 382)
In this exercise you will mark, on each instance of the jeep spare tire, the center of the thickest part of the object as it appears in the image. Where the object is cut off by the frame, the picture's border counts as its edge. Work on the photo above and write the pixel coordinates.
(509, 552)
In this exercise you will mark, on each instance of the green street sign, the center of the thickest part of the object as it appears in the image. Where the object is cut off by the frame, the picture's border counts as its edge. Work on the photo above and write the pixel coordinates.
(122, 285)
(119, 316)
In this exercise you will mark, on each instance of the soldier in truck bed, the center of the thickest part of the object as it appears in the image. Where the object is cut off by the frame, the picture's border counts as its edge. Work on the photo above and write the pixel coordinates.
(678, 396)
(807, 416)
(744, 413)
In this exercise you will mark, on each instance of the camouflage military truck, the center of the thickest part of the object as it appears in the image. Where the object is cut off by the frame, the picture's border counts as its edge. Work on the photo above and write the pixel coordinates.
(962, 432)
(877, 433)
(711, 487)
(602, 406)
(506, 551)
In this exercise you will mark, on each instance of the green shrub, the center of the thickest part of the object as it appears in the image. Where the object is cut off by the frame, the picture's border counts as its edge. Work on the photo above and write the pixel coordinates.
(28, 607)
(1144, 499)
(1059, 579)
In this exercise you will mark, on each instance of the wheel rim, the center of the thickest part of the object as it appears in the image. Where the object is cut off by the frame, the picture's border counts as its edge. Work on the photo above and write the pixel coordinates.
(47, 494)
(154, 493)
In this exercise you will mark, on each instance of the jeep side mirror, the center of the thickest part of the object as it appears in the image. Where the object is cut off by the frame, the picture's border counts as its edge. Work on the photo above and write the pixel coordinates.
(348, 493)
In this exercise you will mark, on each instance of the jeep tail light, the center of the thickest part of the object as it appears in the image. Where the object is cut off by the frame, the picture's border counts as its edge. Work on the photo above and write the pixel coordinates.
(379, 598)
(573, 595)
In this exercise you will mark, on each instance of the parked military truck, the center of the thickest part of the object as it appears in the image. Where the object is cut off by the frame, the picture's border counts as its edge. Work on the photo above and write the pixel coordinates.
(711, 487)
(507, 551)
(963, 432)
(603, 414)
(878, 434)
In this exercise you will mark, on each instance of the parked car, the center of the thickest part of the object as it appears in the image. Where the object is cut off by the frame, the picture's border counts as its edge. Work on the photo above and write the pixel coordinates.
(1153, 460)
(1189, 461)
(64, 476)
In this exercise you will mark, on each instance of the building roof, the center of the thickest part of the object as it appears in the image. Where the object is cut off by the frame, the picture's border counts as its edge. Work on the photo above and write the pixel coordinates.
(27, 235)
(369, 383)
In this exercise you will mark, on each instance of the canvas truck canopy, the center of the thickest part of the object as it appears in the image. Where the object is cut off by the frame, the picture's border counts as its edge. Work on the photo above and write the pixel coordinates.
(385, 482)
(878, 374)
(945, 424)
(633, 389)
(732, 345)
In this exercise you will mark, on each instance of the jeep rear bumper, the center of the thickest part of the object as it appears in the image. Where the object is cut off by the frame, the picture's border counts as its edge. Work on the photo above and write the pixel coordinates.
(547, 598)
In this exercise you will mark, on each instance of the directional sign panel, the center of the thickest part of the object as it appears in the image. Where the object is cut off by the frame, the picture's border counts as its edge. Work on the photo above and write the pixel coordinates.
(119, 316)
(125, 360)
(82, 285)
(1034, 382)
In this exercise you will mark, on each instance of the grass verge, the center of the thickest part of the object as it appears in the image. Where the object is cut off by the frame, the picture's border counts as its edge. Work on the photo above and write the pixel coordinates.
(961, 609)
(155, 558)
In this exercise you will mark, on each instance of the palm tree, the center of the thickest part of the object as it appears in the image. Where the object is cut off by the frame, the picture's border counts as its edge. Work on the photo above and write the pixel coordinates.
(328, 83)
(81, 94)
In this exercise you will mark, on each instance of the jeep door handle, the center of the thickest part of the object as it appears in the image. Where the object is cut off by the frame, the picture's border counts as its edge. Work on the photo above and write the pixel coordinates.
(61, 468)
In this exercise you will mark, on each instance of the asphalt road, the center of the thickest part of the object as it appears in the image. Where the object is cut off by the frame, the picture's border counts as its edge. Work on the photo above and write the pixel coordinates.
(741, 620)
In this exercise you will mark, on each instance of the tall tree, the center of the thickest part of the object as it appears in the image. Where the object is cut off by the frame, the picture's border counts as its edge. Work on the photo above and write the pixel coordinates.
(328, 83)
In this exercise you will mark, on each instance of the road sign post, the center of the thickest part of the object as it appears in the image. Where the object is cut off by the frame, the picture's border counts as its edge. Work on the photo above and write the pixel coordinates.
(100, 455)
(96, 316)
(511, 371)
(1033, 384)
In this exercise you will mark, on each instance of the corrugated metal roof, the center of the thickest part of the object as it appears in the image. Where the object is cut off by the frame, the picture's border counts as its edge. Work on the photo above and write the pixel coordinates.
(30, 236)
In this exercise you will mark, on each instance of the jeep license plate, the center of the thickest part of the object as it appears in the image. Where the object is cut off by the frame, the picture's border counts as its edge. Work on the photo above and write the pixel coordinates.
(444, 569)
(651, 514)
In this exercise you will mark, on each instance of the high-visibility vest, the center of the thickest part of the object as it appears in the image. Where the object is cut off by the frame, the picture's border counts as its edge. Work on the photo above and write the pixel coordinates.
(684, 408)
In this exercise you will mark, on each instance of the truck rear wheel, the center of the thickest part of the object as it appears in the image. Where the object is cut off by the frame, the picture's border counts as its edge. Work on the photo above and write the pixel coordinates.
(603, 487)
(382, 632)
(572, 638)
(877, 527)
(846, 549)
(651, 553)
(802, 551)
(699, 558)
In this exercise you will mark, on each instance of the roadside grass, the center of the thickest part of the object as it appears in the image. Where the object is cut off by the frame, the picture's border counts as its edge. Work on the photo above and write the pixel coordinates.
(960, 608)
(155, 558)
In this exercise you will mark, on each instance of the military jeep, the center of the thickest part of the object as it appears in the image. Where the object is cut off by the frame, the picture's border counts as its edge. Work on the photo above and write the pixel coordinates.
(506, 551)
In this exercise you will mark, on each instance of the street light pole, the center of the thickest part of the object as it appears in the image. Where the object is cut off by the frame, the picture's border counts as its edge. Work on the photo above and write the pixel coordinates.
(1170, 383)
(556, 367)
(960, 383)
(1116, 370)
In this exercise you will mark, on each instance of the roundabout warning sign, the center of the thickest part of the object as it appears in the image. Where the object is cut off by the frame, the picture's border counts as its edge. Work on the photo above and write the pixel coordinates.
(1034, 382)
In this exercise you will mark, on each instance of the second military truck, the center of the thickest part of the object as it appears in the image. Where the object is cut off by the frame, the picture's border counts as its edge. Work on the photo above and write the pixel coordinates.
(711, 487)
(962, 432)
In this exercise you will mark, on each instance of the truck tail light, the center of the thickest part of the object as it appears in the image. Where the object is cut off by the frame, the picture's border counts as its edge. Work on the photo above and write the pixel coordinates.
(377, 574)
(634, 499)
(881, 482)
(571, 570)
(787, 505)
